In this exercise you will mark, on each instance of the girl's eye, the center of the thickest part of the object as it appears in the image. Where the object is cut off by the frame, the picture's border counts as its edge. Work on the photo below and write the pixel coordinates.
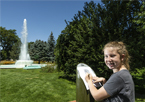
(112, 55)
(106, 56)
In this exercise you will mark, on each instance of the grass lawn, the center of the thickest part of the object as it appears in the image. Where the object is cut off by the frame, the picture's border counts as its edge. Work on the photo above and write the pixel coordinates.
(19, 85)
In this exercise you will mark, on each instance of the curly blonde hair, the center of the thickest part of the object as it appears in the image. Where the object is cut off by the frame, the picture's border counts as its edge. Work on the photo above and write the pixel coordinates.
(121, 49)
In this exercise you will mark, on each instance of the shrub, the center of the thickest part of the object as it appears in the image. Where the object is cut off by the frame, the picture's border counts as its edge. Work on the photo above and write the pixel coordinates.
(49, 69)
(139, 79)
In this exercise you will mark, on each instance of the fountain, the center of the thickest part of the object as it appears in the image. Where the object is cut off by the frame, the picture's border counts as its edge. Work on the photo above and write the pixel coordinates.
(24, 58)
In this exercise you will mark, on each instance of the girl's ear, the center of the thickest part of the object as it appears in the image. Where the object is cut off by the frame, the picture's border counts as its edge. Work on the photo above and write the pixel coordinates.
(122, 57)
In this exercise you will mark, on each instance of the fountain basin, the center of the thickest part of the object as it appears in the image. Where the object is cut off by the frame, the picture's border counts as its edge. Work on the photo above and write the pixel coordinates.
(23, 63)
(7, 66)
(32, 67)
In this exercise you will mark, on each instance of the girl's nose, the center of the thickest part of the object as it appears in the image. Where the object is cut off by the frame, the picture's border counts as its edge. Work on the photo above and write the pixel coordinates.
(109, 58)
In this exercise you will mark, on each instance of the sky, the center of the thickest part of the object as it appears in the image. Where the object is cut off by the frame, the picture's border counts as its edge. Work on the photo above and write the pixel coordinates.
(43, 16)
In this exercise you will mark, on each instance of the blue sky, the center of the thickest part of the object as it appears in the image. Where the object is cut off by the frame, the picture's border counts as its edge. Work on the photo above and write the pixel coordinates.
(43, 16)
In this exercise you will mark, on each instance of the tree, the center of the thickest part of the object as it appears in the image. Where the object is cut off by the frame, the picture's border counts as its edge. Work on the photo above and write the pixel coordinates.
(84, 37)
(38, 51)
(3, 55)
(118, 25)
(77, 42)
(51, 47)
(139, 73)
(15, 51)
(140, 17)
(61, 51)
(8, 39)
(29, 44)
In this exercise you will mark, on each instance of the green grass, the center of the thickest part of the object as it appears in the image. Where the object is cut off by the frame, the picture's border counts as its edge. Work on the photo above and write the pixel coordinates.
(19, 85)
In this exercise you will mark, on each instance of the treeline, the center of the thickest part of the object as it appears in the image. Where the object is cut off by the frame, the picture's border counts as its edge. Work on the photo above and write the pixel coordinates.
(43, 51)
(38, 50)
(84, 37)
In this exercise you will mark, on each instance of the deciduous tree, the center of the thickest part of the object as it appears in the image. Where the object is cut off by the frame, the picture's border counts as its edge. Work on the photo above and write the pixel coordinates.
(15, 51)
(8, 39)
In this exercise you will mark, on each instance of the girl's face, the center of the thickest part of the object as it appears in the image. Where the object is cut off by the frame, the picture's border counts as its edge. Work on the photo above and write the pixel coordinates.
(112, 58)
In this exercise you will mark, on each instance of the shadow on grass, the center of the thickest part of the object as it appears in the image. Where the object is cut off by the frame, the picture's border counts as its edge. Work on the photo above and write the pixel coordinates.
(71, 78)
(140, 97)
(140, 93)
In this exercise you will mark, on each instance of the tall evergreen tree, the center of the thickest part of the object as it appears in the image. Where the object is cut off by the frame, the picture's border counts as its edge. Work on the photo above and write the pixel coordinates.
(38, 51)
(84, 37)
(29, 44)
(51, 47)
(60, 50)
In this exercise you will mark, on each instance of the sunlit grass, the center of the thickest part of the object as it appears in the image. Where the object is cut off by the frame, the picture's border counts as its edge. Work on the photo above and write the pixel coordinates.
(19, 85)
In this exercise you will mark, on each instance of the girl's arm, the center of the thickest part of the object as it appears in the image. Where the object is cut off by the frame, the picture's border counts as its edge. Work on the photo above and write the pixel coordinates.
(98, 94)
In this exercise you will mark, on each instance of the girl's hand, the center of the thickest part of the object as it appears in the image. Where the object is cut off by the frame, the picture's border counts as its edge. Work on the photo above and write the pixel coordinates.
(99, 79)
(88, 77)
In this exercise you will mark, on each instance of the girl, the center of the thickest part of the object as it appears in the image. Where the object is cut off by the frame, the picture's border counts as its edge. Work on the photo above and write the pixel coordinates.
(120, 86)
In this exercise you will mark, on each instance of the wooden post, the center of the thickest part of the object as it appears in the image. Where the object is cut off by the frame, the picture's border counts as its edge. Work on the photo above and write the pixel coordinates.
(82, 95)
